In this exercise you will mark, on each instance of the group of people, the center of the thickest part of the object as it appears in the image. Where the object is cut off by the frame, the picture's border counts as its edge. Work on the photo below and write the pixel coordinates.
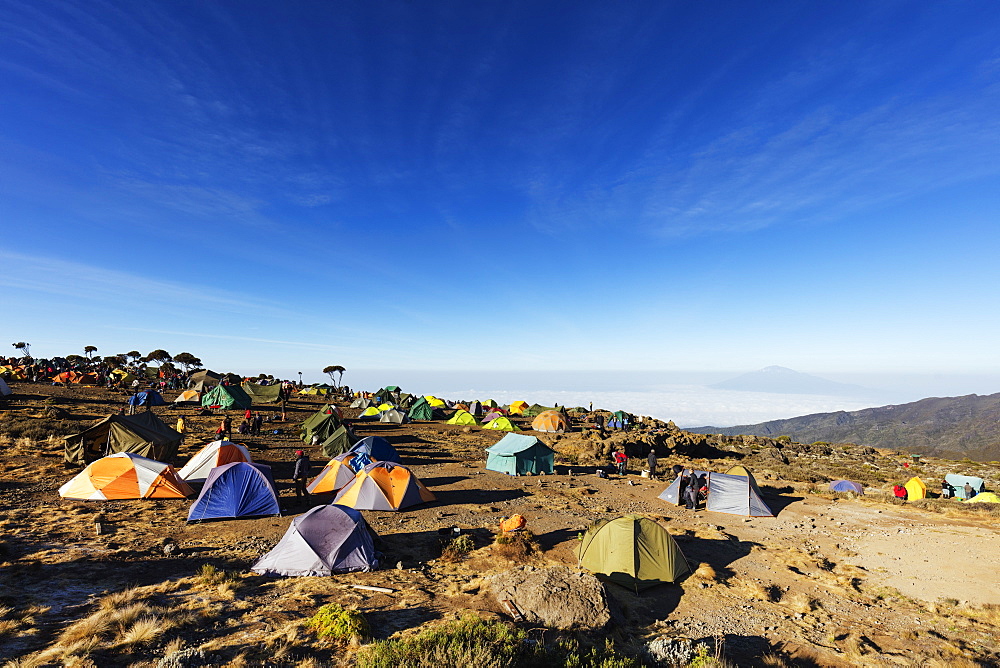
(251, 425)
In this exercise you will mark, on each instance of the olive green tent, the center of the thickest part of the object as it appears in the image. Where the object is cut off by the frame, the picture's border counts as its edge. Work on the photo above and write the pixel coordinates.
(338, 442)
(534, 409)
(142, 434)
(262, 394)
(227, 396)
(632, 551)
(322, 424)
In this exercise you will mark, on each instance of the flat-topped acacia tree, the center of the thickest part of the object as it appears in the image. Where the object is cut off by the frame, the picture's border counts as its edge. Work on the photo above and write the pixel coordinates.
(335, 369)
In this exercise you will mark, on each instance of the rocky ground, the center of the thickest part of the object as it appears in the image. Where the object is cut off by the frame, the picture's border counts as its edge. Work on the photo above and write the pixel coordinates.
(833, 580)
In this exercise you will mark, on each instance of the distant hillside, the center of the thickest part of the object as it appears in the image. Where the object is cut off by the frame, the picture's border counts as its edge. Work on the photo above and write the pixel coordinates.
(952, 427)
(781, 380)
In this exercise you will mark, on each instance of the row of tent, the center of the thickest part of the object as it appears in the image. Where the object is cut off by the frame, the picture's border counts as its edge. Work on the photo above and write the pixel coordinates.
(235, 486)
(633, 551)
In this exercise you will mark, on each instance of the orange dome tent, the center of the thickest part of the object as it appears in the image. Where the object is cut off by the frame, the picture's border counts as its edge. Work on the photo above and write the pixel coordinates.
(126, 476)
(384, 486)
(551, 421)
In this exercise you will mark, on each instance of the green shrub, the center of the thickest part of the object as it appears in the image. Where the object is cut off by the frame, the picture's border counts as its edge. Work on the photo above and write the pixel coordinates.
(457, 548)
(470, 641)
(334, 622)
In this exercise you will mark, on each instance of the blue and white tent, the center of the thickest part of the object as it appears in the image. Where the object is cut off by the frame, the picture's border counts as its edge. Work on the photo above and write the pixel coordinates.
(377, 448)
(236, 490)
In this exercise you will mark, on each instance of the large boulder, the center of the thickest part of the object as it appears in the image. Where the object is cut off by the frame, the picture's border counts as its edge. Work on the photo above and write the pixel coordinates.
(556, 597)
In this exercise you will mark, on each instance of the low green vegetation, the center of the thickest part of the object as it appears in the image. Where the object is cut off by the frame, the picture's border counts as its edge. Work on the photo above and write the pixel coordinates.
(336, 623)
(473, 641)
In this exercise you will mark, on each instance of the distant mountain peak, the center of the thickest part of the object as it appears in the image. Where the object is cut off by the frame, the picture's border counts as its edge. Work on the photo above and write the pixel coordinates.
(782, 380)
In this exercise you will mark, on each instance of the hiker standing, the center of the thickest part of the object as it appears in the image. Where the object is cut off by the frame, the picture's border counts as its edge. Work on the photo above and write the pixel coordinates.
(599, 423)
(691, 492)
(258, 421)
(300, 475)
(969, 492)
(226, 429)
(621, 459)
(651, 462)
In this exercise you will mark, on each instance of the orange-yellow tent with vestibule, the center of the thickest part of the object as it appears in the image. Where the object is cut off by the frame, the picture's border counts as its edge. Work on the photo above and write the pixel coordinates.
(550, 421)
(518, 407)
(124, 475)
(384, 486)
(336, 475)
(915, 489)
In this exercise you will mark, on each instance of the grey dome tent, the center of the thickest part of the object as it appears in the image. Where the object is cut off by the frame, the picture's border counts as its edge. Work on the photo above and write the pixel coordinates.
(326, 540)
(393, 416)
(733, 494)
(518, 454)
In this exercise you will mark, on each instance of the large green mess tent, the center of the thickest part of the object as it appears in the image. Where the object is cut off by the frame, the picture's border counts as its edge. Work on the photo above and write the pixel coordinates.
(142, 434)
(518, 454)
(262, 394)
(632, 551)
(227, 396)
(322, 424)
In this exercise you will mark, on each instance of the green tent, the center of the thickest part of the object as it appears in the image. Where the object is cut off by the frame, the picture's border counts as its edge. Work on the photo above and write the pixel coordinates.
(517, 454)
(227, 396)
(622, 415)
(338, 442)
(322, 424)
(142, 434)
(421, 410)
(534, 409)
(632, 551)
(262, 394)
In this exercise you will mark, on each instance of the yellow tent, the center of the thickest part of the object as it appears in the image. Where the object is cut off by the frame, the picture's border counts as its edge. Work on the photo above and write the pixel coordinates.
(385, 407)
(738, 470)
(434, 401)
(984, 497)
(518, 407)
(462, 417)
(915, 489)
(501, 424)
(370, 411)
(313, 391)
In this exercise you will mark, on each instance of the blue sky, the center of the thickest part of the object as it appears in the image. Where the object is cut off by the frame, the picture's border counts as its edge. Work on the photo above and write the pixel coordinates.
(703, 186)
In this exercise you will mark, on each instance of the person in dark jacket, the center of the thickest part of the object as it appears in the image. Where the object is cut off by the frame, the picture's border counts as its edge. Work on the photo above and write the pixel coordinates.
(691, 492)
(651, 462)
(300, 475)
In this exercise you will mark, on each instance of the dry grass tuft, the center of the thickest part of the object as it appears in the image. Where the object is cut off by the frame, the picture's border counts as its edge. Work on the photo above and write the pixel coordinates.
(802, 603)
(143, 631)
(705, 572)
(120, 598)
(88, 627)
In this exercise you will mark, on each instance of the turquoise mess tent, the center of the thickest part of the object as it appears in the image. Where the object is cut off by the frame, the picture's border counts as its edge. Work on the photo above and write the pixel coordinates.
(518, 454)
(958, 484)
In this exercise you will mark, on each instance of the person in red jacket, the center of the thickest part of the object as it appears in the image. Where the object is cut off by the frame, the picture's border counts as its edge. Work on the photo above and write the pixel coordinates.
(621, 459)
